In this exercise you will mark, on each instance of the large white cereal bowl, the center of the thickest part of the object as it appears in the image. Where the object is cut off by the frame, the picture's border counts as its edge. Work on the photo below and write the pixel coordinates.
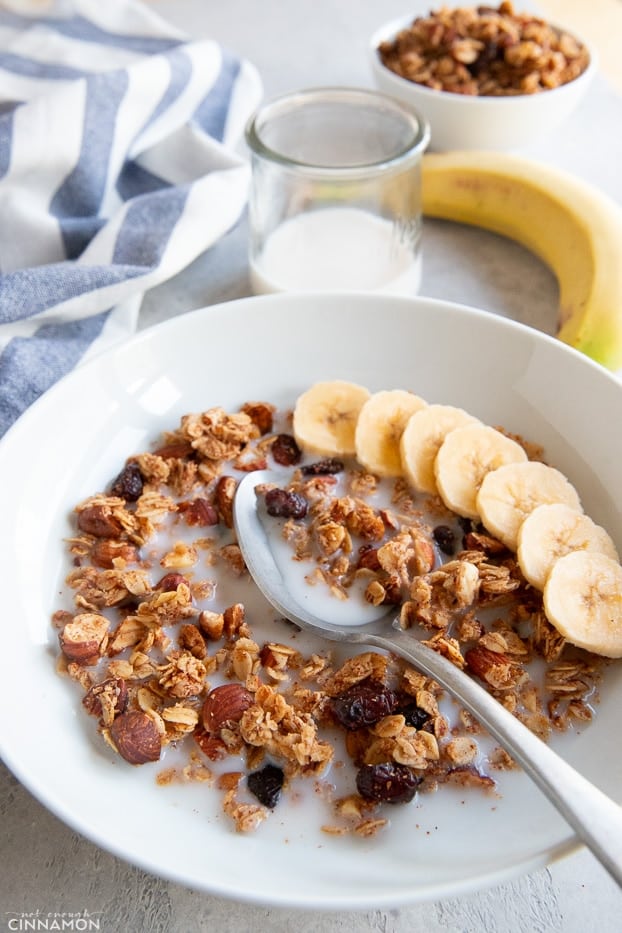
(459, 121)
(272, 348)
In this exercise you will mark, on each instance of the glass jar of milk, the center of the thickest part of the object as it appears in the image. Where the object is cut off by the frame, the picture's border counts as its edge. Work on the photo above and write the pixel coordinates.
(335, 200)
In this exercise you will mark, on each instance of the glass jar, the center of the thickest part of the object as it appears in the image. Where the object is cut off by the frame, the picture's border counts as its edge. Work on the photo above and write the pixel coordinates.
(335, 200)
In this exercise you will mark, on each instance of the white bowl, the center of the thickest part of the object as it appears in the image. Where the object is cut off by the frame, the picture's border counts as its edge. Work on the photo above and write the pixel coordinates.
(459, 121)
(273, 348)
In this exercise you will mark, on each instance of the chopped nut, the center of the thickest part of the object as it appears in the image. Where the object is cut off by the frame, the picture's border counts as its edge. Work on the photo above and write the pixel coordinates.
(180, 557)
(225, 705)
(223, 499)
(83, 639)
(192, 640)
(212, 624)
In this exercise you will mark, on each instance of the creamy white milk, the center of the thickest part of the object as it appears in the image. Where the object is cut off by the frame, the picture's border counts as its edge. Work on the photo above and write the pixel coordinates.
(336, 248)
(317, 598)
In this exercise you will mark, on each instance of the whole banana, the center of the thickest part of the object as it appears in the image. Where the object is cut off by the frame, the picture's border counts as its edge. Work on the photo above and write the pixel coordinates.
(574, 228)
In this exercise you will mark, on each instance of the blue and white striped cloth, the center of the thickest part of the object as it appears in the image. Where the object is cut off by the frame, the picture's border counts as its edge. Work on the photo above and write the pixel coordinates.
(117, 169)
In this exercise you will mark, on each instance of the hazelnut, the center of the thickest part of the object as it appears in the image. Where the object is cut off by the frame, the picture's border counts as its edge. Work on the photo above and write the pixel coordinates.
(225, 704)
(170, 581)
(136, 737)
(81, 639)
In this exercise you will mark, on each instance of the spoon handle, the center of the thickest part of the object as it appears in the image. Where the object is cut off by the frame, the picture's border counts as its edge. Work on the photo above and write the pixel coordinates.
(596, 818)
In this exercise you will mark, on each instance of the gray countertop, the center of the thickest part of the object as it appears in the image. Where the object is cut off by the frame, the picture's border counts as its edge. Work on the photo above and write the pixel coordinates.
(49, 868)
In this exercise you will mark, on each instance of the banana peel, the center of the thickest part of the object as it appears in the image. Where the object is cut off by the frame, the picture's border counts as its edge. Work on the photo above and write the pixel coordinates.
(570, 225)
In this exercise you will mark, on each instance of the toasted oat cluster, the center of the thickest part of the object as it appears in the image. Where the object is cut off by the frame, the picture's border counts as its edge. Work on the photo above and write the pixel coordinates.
(484, 51)
(163, 663)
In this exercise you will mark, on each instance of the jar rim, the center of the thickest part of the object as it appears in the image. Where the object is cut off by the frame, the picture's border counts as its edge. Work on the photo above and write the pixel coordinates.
(284, 103)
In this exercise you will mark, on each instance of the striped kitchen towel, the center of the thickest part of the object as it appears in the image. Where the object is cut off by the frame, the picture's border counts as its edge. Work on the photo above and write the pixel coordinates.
(117, 169)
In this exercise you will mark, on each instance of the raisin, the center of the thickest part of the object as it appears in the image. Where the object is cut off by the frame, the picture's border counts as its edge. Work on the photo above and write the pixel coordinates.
(283, 504)
(415, 716)
(324, 467)
(266, 785)
(129, 483)
(285, 450)
(387, 783)
(445, 537)
(363, 704)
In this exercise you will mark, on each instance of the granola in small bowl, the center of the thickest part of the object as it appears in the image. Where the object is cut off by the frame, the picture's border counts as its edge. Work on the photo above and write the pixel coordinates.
(484, 77)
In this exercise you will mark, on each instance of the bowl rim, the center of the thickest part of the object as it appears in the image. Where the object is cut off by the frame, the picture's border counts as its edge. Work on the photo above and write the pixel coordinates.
(390, 28)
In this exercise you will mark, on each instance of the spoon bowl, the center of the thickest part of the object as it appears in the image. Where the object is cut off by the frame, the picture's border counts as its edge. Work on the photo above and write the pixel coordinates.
(596, 818)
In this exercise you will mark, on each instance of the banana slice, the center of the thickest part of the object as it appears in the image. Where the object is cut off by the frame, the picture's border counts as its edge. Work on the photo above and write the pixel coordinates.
(325, 417)
(422, 438)
(510, 493)
(464, 458)
(552, 531)
(380, 425)
(583, 600)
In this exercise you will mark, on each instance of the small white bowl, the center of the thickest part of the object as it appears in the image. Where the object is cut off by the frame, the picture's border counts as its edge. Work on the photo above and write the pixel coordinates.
(459, 121)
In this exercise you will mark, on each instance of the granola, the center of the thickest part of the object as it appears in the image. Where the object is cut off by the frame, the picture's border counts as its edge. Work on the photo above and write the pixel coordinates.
(163, 662)
(484, 51)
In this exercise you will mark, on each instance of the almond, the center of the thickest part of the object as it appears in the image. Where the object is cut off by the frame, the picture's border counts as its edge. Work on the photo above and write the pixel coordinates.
(98, 520)
(495, 668)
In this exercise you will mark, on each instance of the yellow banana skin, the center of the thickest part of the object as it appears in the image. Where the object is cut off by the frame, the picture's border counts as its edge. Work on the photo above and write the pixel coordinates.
(574, 228)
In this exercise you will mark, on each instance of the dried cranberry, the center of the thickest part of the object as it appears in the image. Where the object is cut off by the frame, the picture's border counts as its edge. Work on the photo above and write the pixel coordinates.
(283, 504)
(363, 704)
(445, 537)
(387, 783)
(415, 716)
(285, 450)
(266, 785)
(129, 483)
(323, 467)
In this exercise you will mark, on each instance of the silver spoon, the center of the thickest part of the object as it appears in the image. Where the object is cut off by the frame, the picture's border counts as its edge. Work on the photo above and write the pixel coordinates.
(596, 819)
